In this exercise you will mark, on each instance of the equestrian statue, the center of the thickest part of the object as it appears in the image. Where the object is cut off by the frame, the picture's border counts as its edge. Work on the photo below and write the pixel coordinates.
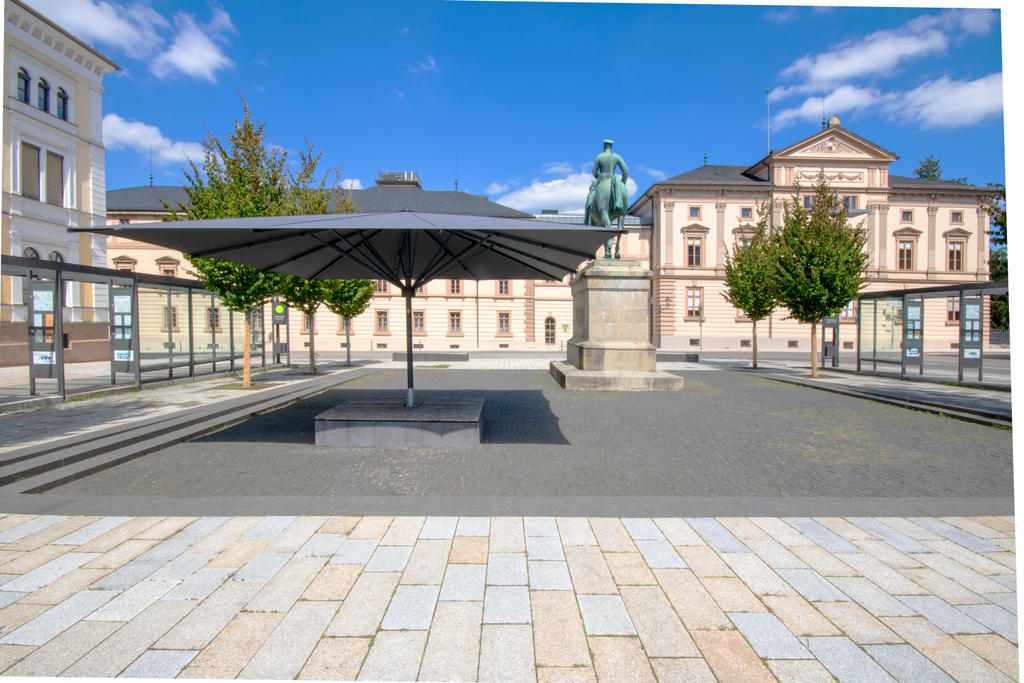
(607, 200)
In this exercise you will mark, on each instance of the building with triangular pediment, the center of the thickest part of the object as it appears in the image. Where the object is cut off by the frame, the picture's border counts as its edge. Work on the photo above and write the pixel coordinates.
(919, 233)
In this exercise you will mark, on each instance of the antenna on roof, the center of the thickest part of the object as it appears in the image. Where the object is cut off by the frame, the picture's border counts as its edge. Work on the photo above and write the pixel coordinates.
(824, 124)
(705, 158)
(456, 171)
(151, 167)
(768, 103)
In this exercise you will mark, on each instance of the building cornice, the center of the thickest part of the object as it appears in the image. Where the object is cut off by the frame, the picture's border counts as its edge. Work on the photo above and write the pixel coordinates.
(51, 37)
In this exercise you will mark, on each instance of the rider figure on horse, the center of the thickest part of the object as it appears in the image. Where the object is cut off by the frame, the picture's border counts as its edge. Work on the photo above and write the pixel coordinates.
(607, 199)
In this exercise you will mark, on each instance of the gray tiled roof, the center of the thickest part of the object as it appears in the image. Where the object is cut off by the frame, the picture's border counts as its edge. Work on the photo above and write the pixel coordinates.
(898, 182)
(370, 200)
(717, 175)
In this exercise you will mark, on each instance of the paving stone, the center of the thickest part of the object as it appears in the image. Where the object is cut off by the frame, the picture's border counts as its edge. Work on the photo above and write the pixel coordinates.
(822, 561)
(506, 652)
(661, 632)
(1009, 581)
(53, 621)
(888, 555)
(238, 553)
(811, 585)
(269, 527)
(575, 531)
(996, 618)
(732, 595)
(642, 528)
(281, 592)
(288, 647)
(943, 586)
(199, 585)
(507, 535)
(122, 554)
(730, 656)
(224, 536)
(18, 614)
(774, 554)
(716, 535)
(295, 535)
(50, 533)
(844, 528)
(181, 567)
(759, 577)
(453, 643)
(540, 526)
(321, 545)
(872, 598)
(886, 578)
(996, 650)
(233, 647)
(262, 567)
(427, 563)
(611, 535)
(202, 672)
(829, 540)
(973, 527)
(799, 616)
(394, 656)
(620, 659)
(558, 636)
(689, 670)
(768, 636)
(970, 559)
(659, 554)
(363, 608)
(333, 582)
(27, 528)
(950, 655)
(800, 671)
(588, 570)
(544, 548)
(908, 528)
(92, 531)
(340, 525)
(468, 550)
(6, 598)
(336, 659)
(159, 664)
(507, 605)
(133, 601)
(49, 572)
(907, 664)
(691, 601)
(857, 623)
(197, 629)
(389, 558)
(1007, 601)
(403, 531)
(506, 569)
(142, 566)
(371, 527)
(125, 645)
(845, 660)
(10, 521)
(165, 528)
(781, 532)
(1007, 559)
(198, 529)
(940, 613)
(549, 576)
(678, 532)
(64, 650)
(439, 527)
(948, 531)
(473, 526)
(27, 561)
(355, 551)
(998, 525)
(411, 608)
(629, 569)
(566, 674)
(605, 615)
(888, 534)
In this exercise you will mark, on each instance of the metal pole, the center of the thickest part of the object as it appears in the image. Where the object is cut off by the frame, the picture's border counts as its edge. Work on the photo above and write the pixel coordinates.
(858, 310)
(874, 337)
(700, 349)
(136, 341)
(191, 339)
(58, 331)
(263, 336)
(288, 338)
(231, 340)
(407, 292)
(110, 316)
(170, 336)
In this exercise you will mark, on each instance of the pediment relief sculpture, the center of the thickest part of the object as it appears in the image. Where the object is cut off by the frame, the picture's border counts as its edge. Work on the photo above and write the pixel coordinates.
(831, 176)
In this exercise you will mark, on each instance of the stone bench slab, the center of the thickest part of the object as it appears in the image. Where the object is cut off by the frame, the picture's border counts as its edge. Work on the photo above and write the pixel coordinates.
(384, 420)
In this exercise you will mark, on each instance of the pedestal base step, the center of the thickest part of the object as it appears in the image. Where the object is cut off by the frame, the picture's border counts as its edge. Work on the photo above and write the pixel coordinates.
(383, 420)
(430, 356)
(571, 377)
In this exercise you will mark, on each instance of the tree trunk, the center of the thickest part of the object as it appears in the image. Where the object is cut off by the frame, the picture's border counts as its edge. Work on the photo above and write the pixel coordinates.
(754, 344)
(348, 341)
(247, 353)
(814, 349)
(312, 348)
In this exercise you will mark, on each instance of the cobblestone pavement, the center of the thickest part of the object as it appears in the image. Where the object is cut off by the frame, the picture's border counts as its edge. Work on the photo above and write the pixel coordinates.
(509, 598)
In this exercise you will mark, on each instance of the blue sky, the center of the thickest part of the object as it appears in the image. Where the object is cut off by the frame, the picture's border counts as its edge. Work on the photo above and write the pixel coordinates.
(523, 93)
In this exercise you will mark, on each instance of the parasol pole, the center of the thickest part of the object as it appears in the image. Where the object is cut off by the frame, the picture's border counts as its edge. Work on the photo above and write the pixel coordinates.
(407, 291)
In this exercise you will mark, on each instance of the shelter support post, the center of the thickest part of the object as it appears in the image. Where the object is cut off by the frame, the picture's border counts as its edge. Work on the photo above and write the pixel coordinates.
(407, 291)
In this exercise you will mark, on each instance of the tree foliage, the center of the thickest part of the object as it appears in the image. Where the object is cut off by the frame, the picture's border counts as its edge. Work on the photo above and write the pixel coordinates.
(931, 169)
(998, 262)
(821, 260)
(349, 298)
(750, 276)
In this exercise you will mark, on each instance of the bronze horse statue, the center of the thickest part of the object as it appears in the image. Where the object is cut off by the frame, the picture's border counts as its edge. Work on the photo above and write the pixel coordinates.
(607, 200)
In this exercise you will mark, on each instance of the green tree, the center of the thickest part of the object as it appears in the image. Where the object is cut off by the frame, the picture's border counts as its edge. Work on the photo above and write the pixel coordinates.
(998, 263)
(931, 169)
(750, 275)
(305, 296)
(821, 261)
(349, 298)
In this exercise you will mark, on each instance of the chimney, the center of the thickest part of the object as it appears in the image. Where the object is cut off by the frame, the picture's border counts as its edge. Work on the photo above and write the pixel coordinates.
(398, 178)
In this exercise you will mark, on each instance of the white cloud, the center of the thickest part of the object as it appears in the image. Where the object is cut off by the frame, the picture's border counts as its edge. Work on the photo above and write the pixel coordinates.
(131, 28)
(781, 16)
(119, 133)
(879, 52)
(399, 95)
(194, 51)
(843, 99)
(945, 103)
(497, 188)
(568, 194)
(352, 184)
(558, 167)
(429, 65)
(660, 175)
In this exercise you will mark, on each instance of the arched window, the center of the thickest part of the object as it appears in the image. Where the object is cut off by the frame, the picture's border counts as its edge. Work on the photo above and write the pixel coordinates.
(549, 330)
(55, 256)
(62, 104)
(44, 95)
(29, 252)
(23, 84)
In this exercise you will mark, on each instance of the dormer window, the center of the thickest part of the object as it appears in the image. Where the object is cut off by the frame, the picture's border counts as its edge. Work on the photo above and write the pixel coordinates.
(62, 104)
(43, 90)
(23, 84)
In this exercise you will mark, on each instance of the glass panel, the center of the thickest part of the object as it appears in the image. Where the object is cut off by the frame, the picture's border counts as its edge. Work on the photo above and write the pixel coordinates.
(153, 341)
(239, 333)
(29, 170)
(178, 332)
(202, 334)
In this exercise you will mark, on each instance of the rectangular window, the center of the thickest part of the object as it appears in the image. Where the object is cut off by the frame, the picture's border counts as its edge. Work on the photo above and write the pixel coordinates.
(344, 324)
(746, 212)
(905, 255)
(808, 201)
(455, 286)
(956, 217)
(305, 324)
(953, 309)
(29, 171)
(454, 322)
(123, 221)
(54, 179)
(504, 288)
(170, 323)
(694, 302)
(906, 216)
(693, 248)
(849, 311)
(169, 271)
(213, 319)
(419, 322)
(382, 286)
(850, 202)
(504, 322)
(382, 322)
(695, 212)
(955, 260)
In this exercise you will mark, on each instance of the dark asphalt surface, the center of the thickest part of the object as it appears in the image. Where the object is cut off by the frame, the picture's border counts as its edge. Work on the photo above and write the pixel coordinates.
(725, 434)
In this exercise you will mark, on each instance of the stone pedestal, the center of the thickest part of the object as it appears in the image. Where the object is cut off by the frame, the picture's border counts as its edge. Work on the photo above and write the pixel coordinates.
(610, 348)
